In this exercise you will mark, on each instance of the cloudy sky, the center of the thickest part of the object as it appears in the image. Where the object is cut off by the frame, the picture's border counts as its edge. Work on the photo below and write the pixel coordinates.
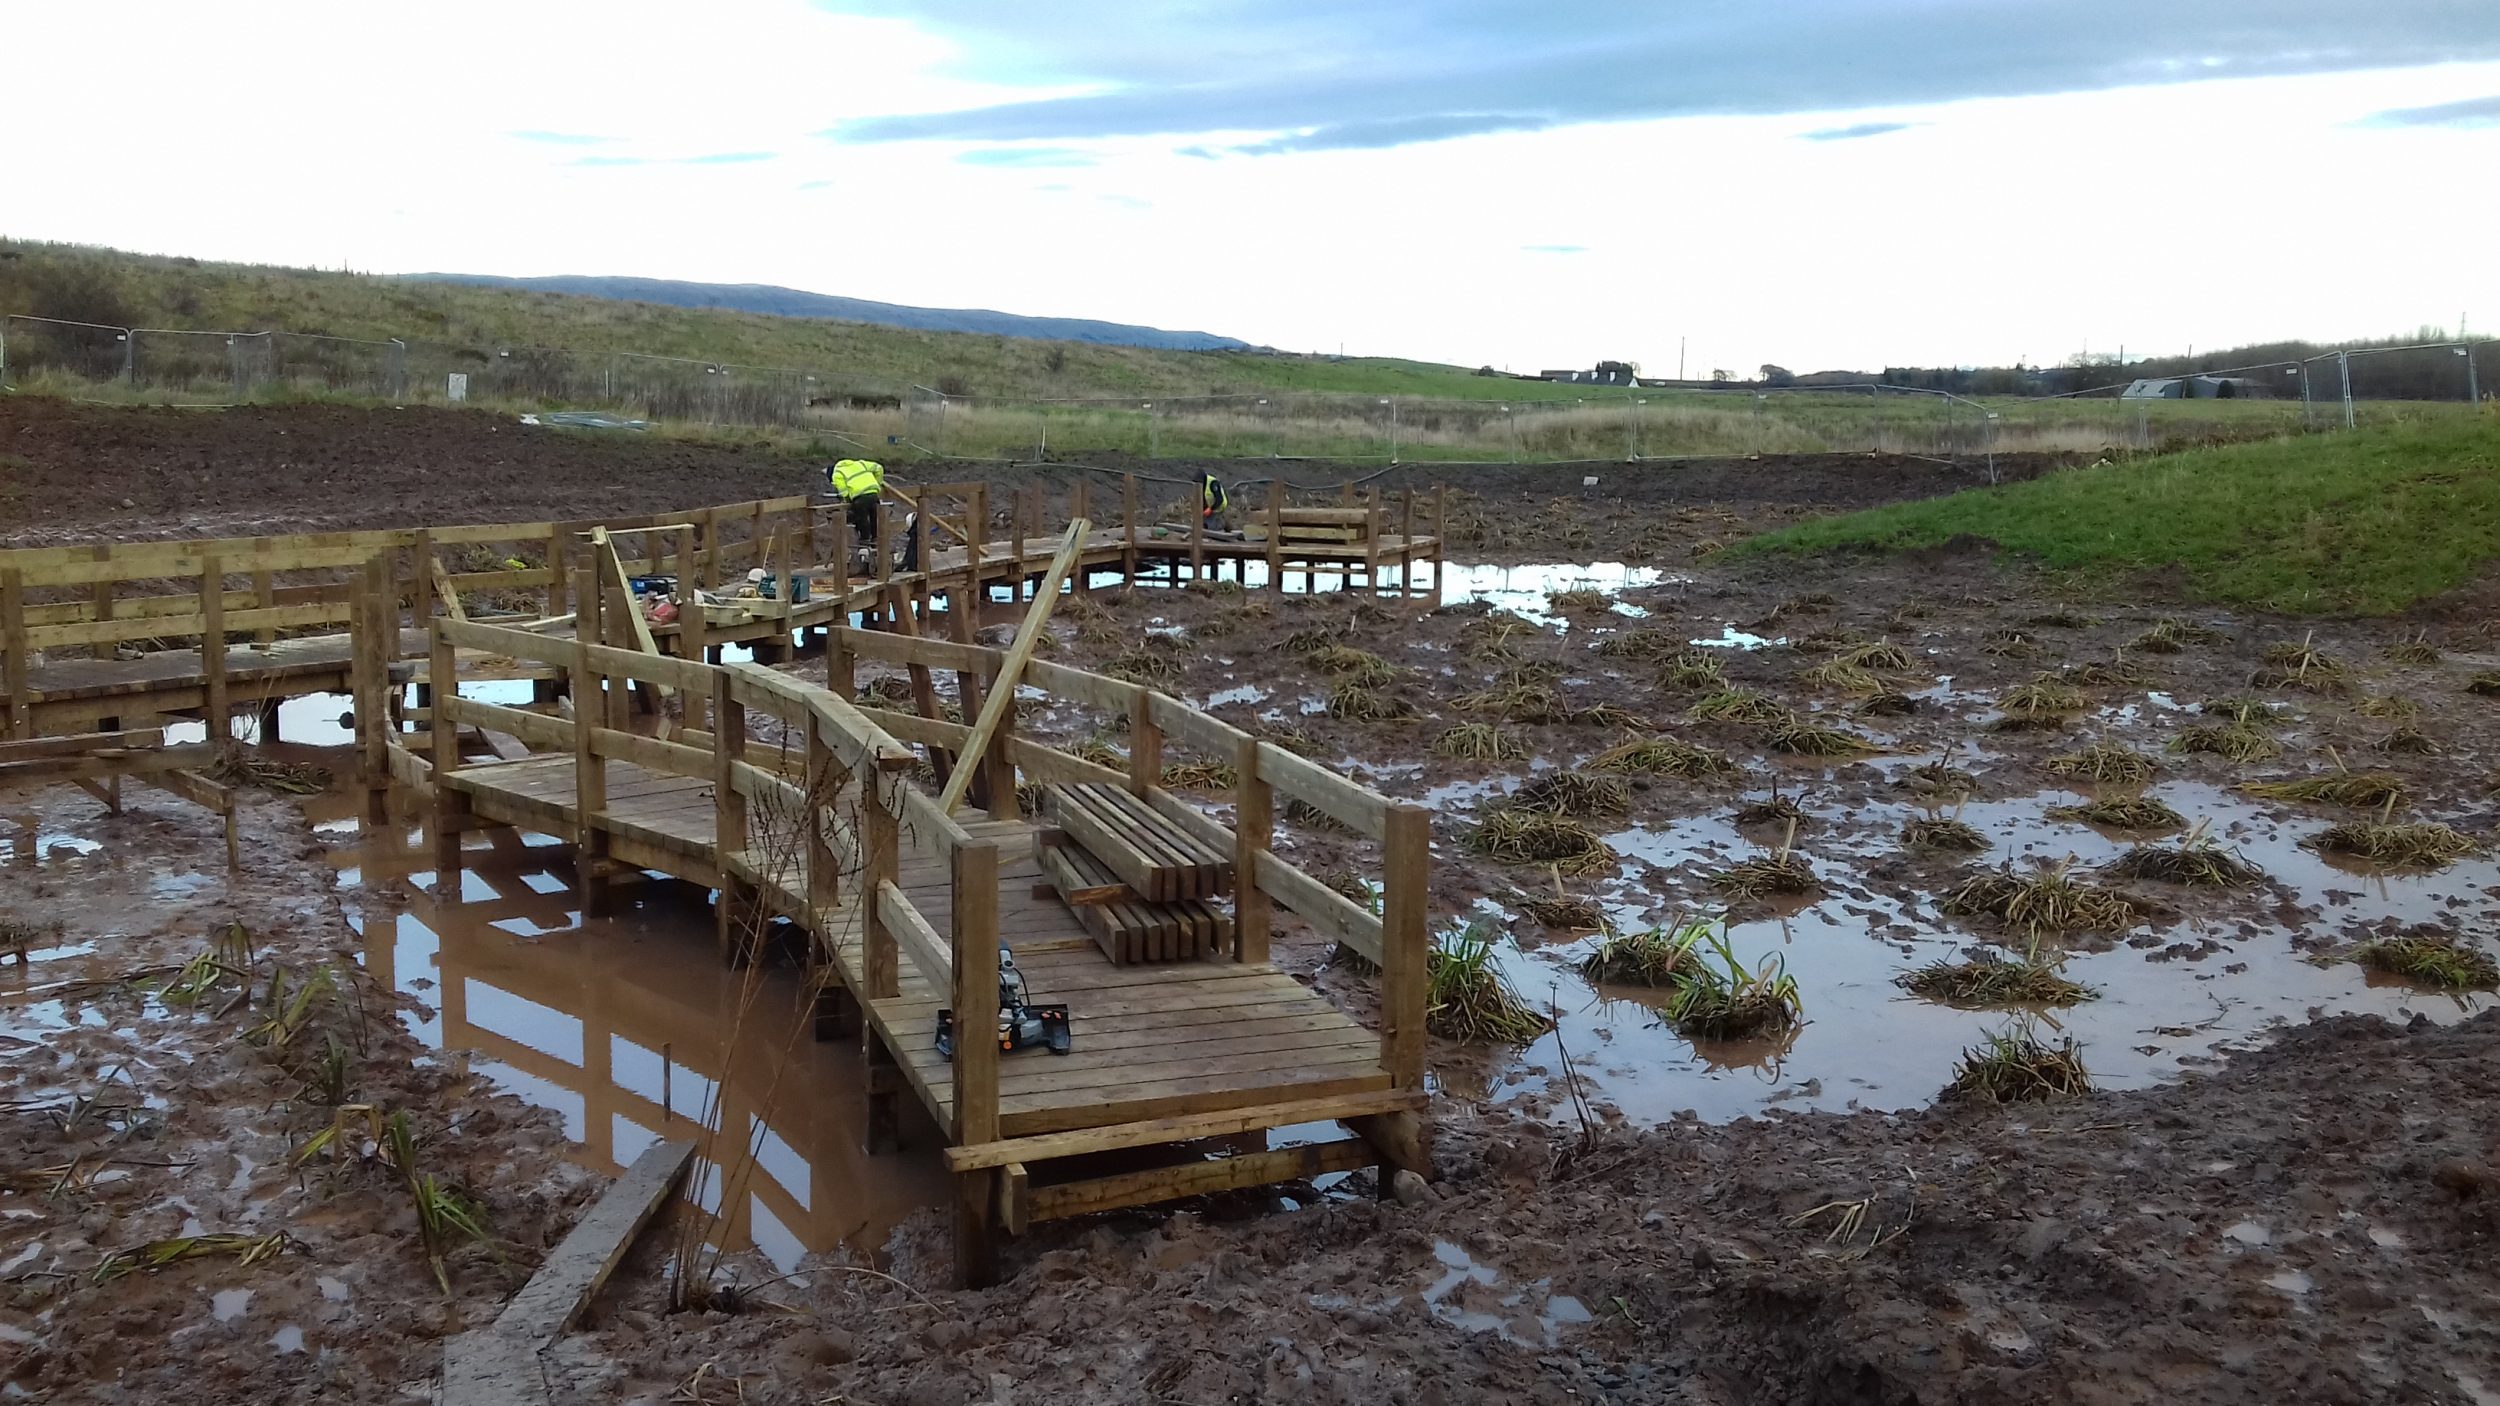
(1814, 182)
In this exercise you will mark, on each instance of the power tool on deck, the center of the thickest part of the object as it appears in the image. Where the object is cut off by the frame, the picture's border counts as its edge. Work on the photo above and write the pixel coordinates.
(1022, 1025)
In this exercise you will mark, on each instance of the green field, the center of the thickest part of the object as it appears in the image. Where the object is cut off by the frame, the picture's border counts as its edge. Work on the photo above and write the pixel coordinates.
(2363, 523)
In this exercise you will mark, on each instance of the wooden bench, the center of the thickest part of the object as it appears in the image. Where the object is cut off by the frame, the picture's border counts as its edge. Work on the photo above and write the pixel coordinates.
(1159, 861)
(1126, 927)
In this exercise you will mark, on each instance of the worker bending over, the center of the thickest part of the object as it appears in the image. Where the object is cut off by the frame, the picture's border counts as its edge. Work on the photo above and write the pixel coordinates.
(1212, 503)
(860, 484)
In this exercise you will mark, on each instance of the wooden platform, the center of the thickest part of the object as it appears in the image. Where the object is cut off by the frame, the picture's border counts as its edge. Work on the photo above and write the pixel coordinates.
(1150, 1041)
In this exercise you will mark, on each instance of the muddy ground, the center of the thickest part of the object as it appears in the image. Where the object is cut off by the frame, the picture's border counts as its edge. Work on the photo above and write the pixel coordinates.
(2265, 1198)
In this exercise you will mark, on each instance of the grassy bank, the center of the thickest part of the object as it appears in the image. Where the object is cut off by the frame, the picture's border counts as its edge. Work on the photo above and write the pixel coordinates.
(2360, 523)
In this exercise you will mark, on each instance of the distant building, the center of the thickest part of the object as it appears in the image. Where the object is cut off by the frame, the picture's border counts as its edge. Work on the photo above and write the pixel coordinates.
(2195, 388)
(1590, 378)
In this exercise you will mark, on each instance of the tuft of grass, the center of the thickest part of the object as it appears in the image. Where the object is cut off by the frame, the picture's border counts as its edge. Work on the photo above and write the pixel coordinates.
(1737, 705)
(2043, 903)
(1773, 810)
(1691, 671)
(2414, 649)
(1200, 776)
(2010, 644)
(1098, 750)
(2389, 705)
(2105, 763)
(1521, 703)
(1351, 665)
(2043, 697)
(2121, 813)
(244, 1250)
(1479, 742)
(1766, 876)
(2171, 635)
(1360, 703)
(1662, 756)
(2371, 789)
(2301, 664)
(1718, 998)
(2011, 1065)
(1573, 793)
(1467, 999)
(2407, 741)
(1990, 980)
(1832, 637)
(1287, 736)
(1312, 639)
(2440, 960)
(2238, 740)
(1886, 705)
(1563, 911)
(2417, 845)
(1146, 667)
(1945, 833)
(1655, 957)
(1639, 644)
(1528, 837)
(1806, 738)
(1609, 716)
(1309, 816)
(1836, 676)
(2195, 862)
(2109, 673)
(2484, 685)
(1882, 654)
(1581, 600)
(1939, 779)
(1529, 672)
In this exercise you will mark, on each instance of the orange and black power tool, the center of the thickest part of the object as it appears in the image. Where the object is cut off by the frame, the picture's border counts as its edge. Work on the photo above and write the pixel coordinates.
(1022, 1025)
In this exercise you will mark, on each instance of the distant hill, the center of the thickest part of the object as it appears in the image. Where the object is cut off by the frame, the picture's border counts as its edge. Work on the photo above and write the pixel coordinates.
(791, 302)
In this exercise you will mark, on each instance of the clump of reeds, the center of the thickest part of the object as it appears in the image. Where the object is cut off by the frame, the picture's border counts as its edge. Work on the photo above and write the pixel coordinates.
(1806, 738)
(1311, 639)
(1586, 600)
(1530, 837)
(2129, 812)
(2012, 1065)
(2045, 696)
(2484, 685)
(2298, 661)
(2414, 649)
(2043, 903)
(1525, 703)
(1689, 671)
(1774, 809)
(2173, 636)
(1950, 834)
(1356, 666)
(1648, 957)
(1303, 813)
(1717, 997)
(1939, 779)
(2407, 741)
(1573, 793)
(1530, 672)
(1639, 644)
(2105, 673)
(1662, 756)
(1361, 703)
(1797, 605)
(1737, 705)
(1098, 750)
(2238, 740)
(240, 768)
(1776, 874)
(2010, 644)
(2424, 844)
(1466, 997)
(2195, 862)
(1290, 738)
(2389, 705)
(2442, 960)
(2105, 763)
(1562, 910)
(2340, 787)
(1886, 704)
(1200, 776)
(1479, 742)
(1882, 654)
(1989, 980)
(1146, 667)
(1838, 676)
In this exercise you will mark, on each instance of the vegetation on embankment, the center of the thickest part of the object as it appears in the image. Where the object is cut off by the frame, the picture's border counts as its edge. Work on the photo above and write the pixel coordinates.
(2363, 522)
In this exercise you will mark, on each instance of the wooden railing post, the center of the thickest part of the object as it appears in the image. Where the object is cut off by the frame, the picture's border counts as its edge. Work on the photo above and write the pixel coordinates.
(1371, 542)
(16, 654)
(1406, 849)
(421, 575)
(590, 713)
(555, 572)
(442, 684)
(1254, 829)
(880, 858)
(264, 596)
(885, 545)
(1276, 535)
(693, 630)
(1128, 528)
(1083, 581)
(976, 1054)
(1145, 742)
(977, 545)
(1198, 536)
(1015, 578)
(213, 650)
(1440, 537)
(1406, 542)
(729, 815)
(372, 618)
(823, 786)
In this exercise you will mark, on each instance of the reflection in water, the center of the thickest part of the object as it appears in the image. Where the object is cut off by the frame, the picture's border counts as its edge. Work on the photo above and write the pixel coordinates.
(629, 1028)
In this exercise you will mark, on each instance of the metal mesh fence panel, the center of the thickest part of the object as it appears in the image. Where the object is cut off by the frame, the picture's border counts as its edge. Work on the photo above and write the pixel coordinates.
(34, 348)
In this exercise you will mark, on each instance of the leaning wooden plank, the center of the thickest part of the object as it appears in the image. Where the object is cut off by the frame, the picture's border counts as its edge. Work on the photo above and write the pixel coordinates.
(1197, 1179)
(78, 744)
(1003, 689)
(556, 1296)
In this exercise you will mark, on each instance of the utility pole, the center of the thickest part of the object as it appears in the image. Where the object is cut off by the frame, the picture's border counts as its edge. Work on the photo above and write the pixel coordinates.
(1679, 358)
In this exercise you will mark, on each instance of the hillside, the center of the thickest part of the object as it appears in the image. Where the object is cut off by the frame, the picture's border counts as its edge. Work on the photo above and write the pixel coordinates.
(792, 302)
(2364, 522)
(117, 289)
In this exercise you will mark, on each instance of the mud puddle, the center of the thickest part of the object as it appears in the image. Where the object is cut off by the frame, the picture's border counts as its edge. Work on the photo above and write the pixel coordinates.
(630, 1028)
(2207, 975)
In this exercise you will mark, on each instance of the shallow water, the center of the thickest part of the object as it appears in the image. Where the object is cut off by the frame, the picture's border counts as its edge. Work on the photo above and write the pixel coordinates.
(630, 1029)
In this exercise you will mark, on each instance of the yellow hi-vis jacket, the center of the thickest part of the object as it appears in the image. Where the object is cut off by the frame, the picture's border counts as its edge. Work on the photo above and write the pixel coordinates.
(852, 478)
(1211, 494)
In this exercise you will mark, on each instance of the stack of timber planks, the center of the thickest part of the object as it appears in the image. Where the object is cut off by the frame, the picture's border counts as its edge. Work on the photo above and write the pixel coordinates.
(1136, 881)
(1313, 527)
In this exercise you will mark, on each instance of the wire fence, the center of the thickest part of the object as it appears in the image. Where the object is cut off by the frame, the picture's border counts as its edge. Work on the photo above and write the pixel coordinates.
(1629, 423)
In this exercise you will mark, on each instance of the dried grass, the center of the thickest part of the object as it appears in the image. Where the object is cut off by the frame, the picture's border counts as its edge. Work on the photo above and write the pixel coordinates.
(1609, 716)
(1309, 816)
(1774, 810)
(2407, 741)
(1737, 705)
(2043, 903)
(1691, 671)
(1663, 756)
(2105, 763)
(2196, 862)
(1146, 667)
(2121, 813)
(2417, 845)
(1806, 738)
(2237, 741)
(1582, 600)
(1578, 793)
(2370, 789)
(1766, 876)
(1479, 742)
(1654, 957)
(2484, 685)
(2009, 1066)
(1200, 776)
(1527, 837)
(2440, 960)
(1943, 833)
(1939, 779)
(1989, 980)
(1359, 703)
(2173, 636)
(1355, 666)
(1835, 676)
(1639, 644)
(2389, 705)
(2044, 697)
(1886, 705)
(1883, 654)
(2416, 649)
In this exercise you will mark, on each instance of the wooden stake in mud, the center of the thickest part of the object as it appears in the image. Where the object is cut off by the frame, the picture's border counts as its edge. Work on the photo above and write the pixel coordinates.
(1440, 537)
(1128, 528)
(442, 680)
(213, 650)
(1276, 535)
(1084, 578)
